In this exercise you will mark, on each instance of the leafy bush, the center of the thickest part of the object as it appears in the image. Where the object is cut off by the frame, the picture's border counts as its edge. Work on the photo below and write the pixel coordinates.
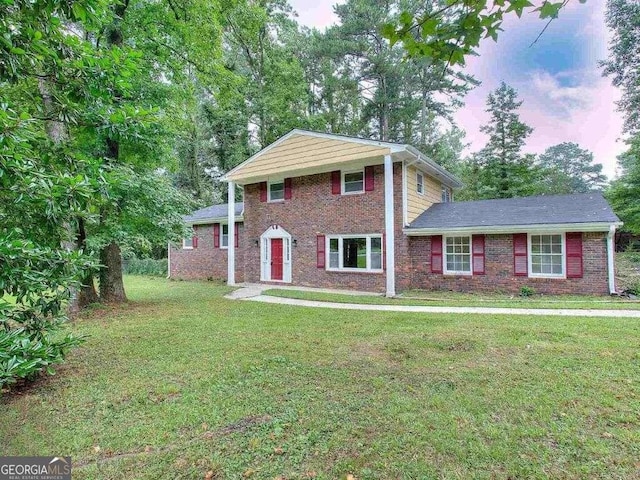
(526, 291)
(35, 285)
(145, 266)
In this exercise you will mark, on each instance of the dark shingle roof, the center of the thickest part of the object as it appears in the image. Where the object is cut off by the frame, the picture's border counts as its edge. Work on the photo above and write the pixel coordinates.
(214, 211)
(538, 210)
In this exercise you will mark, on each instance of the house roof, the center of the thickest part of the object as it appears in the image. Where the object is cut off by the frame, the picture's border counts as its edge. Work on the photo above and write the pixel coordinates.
(212, 213)
(303, 152)
(590, 210)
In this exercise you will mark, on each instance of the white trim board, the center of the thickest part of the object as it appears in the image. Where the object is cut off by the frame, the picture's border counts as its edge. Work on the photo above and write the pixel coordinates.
(497, 229)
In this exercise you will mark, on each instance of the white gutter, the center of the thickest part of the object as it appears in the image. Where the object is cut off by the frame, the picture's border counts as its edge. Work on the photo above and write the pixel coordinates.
(207, 221)
(497, 229)
(168, 259)
(610, 259)
(389, 224)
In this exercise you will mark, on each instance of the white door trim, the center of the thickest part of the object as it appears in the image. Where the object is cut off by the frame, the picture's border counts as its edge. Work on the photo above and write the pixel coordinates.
(275, 231)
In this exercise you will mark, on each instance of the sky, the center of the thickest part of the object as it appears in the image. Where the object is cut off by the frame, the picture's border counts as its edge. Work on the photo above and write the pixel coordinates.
(565, 98)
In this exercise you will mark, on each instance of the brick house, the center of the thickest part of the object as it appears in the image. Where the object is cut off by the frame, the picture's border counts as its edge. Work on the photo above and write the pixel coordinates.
(333, 211)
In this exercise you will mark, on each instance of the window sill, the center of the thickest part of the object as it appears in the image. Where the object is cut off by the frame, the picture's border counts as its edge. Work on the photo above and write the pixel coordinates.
(353, 270)
(353, 193)
(276, 201)
(552, 277)
(458, 274)
(187, 248)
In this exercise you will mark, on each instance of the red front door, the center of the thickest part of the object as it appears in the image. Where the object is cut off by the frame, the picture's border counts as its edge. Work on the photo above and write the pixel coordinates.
(276, 259)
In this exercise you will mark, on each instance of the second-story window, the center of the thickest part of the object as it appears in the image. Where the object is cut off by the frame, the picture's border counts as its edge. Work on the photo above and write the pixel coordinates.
(446, 194)
(353, 182)
(420, 183)
(276, 191)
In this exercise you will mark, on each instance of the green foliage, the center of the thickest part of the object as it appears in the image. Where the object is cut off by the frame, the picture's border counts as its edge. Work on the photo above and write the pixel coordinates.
(500, 170)
(526, 291)
(567, 168)
(450, 30)
(146, 266)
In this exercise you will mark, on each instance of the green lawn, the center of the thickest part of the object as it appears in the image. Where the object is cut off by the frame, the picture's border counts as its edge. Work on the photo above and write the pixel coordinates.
(182, 382)
(451, 299)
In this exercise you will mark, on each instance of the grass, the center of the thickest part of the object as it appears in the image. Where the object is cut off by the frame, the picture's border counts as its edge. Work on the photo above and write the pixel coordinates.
(181, 382)
(416, 297)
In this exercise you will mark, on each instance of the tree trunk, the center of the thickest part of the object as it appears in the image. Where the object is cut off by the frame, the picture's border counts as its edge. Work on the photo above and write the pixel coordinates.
(111, 284)
(87, 293)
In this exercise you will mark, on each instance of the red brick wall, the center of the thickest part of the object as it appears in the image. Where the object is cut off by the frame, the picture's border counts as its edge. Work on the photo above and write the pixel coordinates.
(205, 262)
(314, 210)
(499, 269)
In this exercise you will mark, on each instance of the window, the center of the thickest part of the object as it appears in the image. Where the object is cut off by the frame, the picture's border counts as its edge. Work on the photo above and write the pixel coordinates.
(546, 257)
(420, 183)
(446, 194)
(224, 236)
(348, 252)
(458, 255)
(353, 182)
(187, 243)
(276, 191)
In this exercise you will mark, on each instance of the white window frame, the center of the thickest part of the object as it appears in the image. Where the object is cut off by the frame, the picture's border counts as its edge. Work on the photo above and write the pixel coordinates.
(563, 255)
(269, 185)
(420, 183)
(444, 255)
(448, 198)
(341, 239)
(222, 245)
(342, 183)
(184, 244)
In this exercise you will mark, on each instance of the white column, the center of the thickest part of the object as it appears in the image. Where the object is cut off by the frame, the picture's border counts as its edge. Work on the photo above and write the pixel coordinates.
(389, 248)
(231, 229)
(610, 258)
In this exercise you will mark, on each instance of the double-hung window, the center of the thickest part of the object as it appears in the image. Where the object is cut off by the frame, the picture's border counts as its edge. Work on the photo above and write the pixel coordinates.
(355, 252)
(224, 236)
(276, 191)
(458, 255)
(353, 182)
(420, 183)
(546, 257)
(187, 243)
(446, 194)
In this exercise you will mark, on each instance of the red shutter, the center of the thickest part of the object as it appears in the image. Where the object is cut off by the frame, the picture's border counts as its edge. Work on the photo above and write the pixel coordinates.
(287, 189)
(320, 251)
(477, 249)
(520, 262)
(336, 187)
(263, 191)
(216, 235)
(235, 234)
(574, 255)
(368, 179)
(194, 239)
(436, 254)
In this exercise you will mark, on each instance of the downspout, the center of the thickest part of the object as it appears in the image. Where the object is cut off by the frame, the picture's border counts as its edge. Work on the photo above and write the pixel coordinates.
(168, 259)
(610, 259)
(389, 226)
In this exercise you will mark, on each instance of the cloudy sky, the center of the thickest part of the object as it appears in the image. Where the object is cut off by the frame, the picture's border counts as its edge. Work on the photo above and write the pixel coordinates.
(565, 96)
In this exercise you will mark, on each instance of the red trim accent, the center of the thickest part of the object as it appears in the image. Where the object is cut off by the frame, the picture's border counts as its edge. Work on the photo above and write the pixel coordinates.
(287, 189)
(478, 255)
(436, 254)
(216, 235)
(368, 179)
(336, 187)
(235, 234)
(520, 261)
(194, 239)
(320, 251)
(574, 255)
(263, 191)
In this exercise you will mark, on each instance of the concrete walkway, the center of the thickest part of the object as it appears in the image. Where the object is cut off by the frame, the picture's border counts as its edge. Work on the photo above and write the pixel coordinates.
(253, 292)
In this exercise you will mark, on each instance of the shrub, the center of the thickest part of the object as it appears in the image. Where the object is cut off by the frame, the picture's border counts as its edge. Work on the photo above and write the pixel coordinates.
(526, 291)
(35, 285)
(145, 266)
